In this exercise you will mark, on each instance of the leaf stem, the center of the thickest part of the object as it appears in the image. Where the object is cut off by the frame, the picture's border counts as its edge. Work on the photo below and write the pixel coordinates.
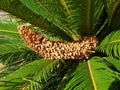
(92, 76)
(9, 31)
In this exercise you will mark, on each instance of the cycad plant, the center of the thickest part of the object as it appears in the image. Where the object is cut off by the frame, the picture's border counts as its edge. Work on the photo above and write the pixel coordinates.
(68, 45)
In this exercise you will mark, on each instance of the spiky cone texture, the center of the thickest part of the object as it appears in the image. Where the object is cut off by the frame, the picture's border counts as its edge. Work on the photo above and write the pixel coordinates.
(58, 50)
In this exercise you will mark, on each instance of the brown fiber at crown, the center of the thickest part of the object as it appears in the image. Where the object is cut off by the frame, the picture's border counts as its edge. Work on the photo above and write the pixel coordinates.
(58, 50)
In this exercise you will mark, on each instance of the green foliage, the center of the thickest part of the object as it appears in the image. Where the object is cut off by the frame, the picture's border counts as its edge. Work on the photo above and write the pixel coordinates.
(52, 36)
(111, 6)
(12, 48)
(111, 44)
(61, 20)
(80, 78)
(113, 13)
(30, 76)
(42, 8)
(20, 10)
(113, 63)
(9, 29)
(64, 15)
(105, 73)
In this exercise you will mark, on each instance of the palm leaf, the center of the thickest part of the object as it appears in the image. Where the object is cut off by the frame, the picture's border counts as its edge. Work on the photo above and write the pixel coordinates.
(43, 75)
(15, 60)
(9, 30)
(11, 53)
(16, 8)
(71, 20)
(52, 36)
(80, 78)
(113, 63)
(110, 44)
(66, 71)
(95, 74)
(105, 73)
(20, 10)
(40, 8)
(115, 23)
(9, 33)
(30, 75)
(111, 6)
(12, 48)
(83, 16)
(111, 14)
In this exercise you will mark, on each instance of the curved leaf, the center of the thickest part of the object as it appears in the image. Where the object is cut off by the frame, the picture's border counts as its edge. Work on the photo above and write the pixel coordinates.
(9, 30)
(12, 48)
(110, 44)
(111, 6)
(31, 74)
(43, 8)
(83, 15)
(113, 63)
(71, 20)
(11, 53)
(40, 8)
(81, 78)
(104, 73)
(20, 10)
(9, 35)
(95, 74)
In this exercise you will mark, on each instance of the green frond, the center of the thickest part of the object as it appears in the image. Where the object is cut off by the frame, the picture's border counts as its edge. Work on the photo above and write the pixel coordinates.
(64, 79)
(64, 14)
(80, 78)
(14, 54)
(111, 7)
(66, 72)
(12, 48)
(105, 74)
(42, 76)
(111, 44)
(115, 23)
(9, 30)
(30, 76)
(95, 74)
(9, 35)
(83, 15)
(18, 9)
(61, 20)
(53, 36)
(113, 63)
(15, 60)
(43, 8)
(21, 11)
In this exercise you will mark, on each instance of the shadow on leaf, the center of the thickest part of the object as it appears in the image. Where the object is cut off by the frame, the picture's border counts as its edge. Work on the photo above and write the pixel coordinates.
(115, 85)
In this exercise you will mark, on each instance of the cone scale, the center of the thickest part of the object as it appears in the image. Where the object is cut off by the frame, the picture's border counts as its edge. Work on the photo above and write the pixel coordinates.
(48, 49)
